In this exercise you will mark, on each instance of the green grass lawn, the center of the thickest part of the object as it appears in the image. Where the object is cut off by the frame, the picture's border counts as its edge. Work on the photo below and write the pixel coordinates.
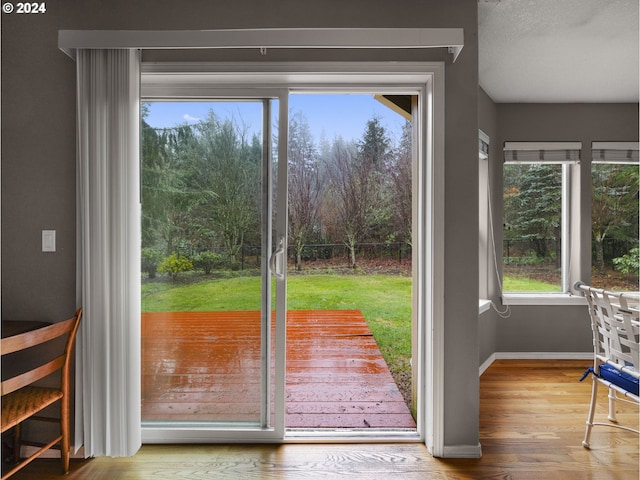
(384, 300)
(524, 285)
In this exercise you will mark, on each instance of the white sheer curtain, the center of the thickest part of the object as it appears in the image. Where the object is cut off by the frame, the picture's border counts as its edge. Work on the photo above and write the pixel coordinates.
(108, 263)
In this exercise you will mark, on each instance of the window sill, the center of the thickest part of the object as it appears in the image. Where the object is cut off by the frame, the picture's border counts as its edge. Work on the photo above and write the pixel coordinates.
(542, 299)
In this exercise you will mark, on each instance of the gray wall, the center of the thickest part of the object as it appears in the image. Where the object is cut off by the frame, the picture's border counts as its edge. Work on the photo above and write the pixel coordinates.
(488, 123)
(38, 169)
(38, 147)
(557, 328)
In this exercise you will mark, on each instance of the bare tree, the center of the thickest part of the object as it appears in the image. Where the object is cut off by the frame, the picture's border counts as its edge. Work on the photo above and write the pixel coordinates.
(400, 176)
(305, 185)
(355, 194)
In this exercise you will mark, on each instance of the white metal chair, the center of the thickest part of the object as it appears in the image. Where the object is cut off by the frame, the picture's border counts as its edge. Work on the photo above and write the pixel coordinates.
(615, 322)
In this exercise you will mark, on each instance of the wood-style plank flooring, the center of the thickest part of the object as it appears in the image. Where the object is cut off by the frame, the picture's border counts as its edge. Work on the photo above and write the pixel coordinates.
(205, 366)
(532, 418)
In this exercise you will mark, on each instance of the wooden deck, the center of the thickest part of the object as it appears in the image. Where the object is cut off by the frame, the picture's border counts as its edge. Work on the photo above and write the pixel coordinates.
(205, 366)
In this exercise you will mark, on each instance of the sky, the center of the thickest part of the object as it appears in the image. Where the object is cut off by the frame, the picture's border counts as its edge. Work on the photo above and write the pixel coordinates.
(331, 115)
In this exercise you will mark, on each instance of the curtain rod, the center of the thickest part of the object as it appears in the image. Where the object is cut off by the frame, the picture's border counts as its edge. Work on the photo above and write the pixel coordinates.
(264, 38)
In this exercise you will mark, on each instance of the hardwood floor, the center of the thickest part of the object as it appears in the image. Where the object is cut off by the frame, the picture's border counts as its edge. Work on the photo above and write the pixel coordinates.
(532, 418)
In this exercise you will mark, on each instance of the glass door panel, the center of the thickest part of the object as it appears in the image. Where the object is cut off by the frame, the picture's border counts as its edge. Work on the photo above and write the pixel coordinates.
(350, 318)
(206, 250)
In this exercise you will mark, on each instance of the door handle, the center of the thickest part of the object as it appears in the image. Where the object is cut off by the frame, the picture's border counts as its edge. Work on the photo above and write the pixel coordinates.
(274, 257)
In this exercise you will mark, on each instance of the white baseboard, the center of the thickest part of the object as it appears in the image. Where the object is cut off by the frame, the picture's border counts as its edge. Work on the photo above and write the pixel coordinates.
(462, 451)
(487, 363)
(534, 356)
(544, 355)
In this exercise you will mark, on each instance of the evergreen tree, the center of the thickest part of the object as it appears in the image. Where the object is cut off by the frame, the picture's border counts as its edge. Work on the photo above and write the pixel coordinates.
(375, 145)
(226, 175)
(614, 212)
(533, 206)
(164, 192)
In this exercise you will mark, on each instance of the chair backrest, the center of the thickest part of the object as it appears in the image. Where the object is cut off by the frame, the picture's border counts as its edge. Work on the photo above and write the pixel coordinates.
(33, 338)
(615, 321)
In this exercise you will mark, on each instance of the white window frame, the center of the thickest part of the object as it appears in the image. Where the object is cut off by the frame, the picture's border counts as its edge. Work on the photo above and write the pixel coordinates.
(484, 250)
(569, 228)
(426, 79)
(612, 153)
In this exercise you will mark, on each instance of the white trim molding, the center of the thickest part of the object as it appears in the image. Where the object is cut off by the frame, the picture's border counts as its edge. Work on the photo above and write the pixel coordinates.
(199, 80)
(265, 38)
(544, 355)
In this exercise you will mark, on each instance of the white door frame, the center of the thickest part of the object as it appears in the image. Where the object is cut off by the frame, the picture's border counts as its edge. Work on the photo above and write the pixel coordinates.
(426, 79)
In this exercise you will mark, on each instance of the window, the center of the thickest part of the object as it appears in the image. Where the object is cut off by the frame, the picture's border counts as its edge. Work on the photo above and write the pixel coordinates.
(614, 215)
(484, 238)
(536, 216)
(545, 202)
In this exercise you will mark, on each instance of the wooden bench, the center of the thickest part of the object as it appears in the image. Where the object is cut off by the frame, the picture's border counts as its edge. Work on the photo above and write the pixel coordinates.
(22, 400)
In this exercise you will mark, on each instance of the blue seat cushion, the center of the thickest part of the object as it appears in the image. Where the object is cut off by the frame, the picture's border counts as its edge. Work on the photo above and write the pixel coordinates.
(615, 376)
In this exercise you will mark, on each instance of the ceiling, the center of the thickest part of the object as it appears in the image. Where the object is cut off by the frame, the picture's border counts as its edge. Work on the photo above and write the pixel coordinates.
(569, 51)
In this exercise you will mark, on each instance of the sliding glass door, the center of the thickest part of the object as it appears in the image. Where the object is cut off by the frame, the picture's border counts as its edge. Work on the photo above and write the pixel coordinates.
(213, 248)
(238, 276)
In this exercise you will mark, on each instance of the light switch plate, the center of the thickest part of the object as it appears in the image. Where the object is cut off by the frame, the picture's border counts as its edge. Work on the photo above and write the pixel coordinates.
(48, 240)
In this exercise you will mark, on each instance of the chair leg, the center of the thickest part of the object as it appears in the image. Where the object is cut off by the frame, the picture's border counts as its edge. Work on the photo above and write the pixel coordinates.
(17, 436)
(612, 406)
(64, 430)
(592, 412)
